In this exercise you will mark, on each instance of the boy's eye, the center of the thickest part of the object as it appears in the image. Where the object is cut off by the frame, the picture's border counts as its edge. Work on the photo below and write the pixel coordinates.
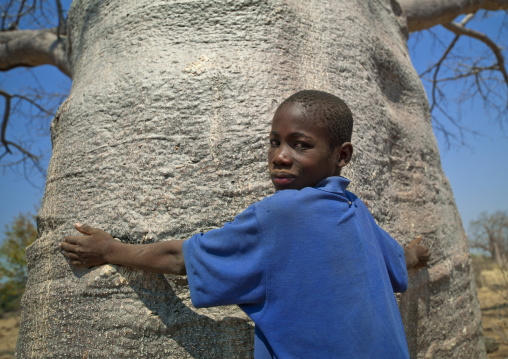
(274, 143)
(302, 146)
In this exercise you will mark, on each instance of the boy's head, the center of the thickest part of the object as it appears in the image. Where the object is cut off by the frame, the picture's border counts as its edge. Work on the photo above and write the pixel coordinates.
(309, 140)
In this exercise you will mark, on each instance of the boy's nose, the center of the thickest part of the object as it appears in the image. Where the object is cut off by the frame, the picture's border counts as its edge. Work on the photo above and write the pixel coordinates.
(282, 157)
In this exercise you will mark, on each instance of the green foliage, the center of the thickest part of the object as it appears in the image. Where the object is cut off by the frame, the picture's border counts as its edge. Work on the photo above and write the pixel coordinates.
(18, 235)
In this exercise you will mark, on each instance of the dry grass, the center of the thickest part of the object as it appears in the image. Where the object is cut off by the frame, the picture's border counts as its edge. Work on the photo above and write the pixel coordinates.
(9, 327)
(492, 287)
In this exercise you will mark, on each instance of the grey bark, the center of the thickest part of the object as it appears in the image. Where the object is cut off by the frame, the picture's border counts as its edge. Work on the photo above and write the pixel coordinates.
(29, 48)
(164, 134)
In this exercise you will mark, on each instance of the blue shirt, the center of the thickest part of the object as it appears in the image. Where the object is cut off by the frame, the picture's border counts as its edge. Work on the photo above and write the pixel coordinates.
(313, 271)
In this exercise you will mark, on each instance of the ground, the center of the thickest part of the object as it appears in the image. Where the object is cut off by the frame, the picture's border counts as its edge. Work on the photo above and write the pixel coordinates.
(492, 286)
(9, 327)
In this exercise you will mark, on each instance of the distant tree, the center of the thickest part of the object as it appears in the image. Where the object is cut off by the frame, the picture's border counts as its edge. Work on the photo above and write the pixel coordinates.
(490, 233)
(21, 233)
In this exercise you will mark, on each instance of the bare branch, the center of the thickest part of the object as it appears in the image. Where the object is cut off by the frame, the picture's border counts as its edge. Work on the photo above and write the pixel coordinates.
(459, 29)
(437, 65)
(28, 155)
(45, 45)
(474, 72)
(5, 13)
(424, 14)
(10, 146)
(480, 77)
(479, 246)
(5, 120)
(62, 23)
(31, 48)
(22, 13)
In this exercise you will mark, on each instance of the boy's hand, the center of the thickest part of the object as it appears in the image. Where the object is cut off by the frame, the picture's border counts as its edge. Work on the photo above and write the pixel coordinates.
(89, 250)
(416, 255)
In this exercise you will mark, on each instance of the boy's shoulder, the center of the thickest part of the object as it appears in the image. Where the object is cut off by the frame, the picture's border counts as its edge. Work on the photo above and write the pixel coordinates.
(280, 199)
(358, 202)
(286, 196)
(291, 199)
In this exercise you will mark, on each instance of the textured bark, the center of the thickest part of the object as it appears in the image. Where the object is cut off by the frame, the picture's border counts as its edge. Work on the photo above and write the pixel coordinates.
(424, 14)
(29, 48)
(164, 134)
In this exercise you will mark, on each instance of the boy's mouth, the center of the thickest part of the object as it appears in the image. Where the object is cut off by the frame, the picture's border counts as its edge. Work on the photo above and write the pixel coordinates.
(282, 179)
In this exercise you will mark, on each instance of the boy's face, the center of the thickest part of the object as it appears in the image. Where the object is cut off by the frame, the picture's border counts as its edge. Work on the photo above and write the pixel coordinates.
(299, 154)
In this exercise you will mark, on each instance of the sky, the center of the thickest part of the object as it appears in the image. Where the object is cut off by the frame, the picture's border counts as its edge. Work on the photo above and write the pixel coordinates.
(477, 169)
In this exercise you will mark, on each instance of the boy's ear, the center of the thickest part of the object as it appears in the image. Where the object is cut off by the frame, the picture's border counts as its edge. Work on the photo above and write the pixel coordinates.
(345, 152)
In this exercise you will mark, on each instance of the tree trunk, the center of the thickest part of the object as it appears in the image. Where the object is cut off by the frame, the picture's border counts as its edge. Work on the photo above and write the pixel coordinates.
(164, 134)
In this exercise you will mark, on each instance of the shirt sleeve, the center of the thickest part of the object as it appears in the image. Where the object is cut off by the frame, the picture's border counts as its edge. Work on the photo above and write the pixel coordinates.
(226, 265)
(395, 261)
(391, 251)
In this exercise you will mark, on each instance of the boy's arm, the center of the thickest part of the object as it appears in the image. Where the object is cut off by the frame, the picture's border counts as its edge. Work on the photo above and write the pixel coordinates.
(98, 247)
(416, 255)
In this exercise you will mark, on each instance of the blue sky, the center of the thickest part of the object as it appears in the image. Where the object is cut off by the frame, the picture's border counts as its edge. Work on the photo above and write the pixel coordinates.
(478, 170)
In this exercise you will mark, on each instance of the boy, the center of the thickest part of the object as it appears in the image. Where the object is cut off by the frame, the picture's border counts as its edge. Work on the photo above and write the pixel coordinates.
(309, 265)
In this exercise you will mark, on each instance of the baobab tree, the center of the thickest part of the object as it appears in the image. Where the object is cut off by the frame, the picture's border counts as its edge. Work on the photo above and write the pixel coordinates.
(163, 135)
(481, 74)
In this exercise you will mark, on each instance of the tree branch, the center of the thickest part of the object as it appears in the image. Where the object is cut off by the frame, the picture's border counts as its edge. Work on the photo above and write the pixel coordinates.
(424, 14)
(31, 48)
(437, 65)
(475, 71)
(5, 120)
(479, 78)
(479, 246)
(459, 29)
(27, 154)
(62, 23)
(20, 13)
(35, 159)
(5, 13)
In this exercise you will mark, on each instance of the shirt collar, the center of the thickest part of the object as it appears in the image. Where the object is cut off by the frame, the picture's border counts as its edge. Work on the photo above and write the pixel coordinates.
(335, 184)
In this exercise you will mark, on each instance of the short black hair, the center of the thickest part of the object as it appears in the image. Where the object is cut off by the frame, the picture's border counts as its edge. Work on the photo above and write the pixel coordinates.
(333, 113)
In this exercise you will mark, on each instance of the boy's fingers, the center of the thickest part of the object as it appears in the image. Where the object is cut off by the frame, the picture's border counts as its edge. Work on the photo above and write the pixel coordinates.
(67, 247)
(70, 255)
(423, 251)
(85, 229)
(72, 239)
(415, 242)
(422, 262)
